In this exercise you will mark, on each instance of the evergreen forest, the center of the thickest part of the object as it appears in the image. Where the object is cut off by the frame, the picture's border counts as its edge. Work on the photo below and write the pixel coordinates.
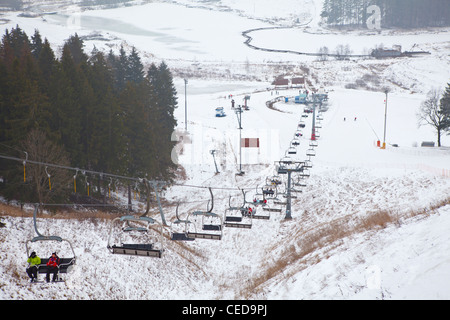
(104, 112)
(394, 13)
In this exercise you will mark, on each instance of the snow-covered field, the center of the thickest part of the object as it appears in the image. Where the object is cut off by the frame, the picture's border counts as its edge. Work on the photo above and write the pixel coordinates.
(332, 248)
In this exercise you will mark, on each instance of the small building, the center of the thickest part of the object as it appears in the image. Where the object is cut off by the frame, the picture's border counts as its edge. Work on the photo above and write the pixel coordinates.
(427, 144)
(381, 53)
(298, 82)
(281, 82)
(301, 98)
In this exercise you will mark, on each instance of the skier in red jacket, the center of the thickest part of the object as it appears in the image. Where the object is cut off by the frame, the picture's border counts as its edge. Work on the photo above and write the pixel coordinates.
(52, 264)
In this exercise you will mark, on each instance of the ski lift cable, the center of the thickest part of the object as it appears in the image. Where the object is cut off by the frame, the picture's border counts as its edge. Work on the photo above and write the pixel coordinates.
(214, 188)
(74, 169)
(110, 175)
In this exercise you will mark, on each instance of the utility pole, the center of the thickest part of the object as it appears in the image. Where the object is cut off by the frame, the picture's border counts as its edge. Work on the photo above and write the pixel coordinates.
(386, 91)
(238, 112)
(288, 197)
(213, 152)
(313, 133)
(185, 104)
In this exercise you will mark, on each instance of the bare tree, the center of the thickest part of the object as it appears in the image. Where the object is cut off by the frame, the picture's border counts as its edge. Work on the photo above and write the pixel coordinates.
(431, 113)
(50, 182)
(323, 53)
(342, 52)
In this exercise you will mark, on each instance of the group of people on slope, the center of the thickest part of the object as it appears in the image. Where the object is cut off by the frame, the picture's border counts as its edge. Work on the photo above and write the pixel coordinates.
(52, 267)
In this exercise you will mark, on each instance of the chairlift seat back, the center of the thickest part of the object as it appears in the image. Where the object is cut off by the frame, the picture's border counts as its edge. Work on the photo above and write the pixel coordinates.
(238, 225)
(212, 227)
(204, 236)
(272, 209)
(144, 250)
(261, 217)
(233, 219)
(65, 265)
(181, 237)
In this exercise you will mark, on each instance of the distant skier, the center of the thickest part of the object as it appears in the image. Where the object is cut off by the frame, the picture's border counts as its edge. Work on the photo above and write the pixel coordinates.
(344, 118)
(355, 118)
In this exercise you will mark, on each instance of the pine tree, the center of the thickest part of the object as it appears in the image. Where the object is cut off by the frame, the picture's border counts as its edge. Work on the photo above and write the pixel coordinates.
(445, 108)
(106, 139)
(135, 69)
(75, 46)
(121, 69)
(165, 102)
(36, 44)
(66, 105)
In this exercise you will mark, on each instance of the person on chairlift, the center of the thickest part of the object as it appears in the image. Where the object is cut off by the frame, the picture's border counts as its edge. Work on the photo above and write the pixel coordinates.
(32, 270)
(52, 264)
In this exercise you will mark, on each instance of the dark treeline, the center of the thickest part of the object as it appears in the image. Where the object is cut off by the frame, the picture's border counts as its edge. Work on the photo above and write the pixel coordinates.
(394, 13)
(103, 112)
(18, 4)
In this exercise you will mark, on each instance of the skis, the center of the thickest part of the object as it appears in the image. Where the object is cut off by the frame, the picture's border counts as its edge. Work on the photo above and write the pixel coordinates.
(45, 282)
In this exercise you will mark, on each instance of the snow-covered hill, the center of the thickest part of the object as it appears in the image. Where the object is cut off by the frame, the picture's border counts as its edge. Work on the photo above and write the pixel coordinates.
(370, 224)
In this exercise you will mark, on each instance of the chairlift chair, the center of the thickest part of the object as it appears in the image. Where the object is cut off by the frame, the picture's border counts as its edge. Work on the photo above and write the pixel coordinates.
(179, 236)
(286, 161)
(269, 209)
(292, 150)
(304, 174)
(148, 249)
(212, 230)
(235, 217)
(252, 209)
(259, 199)
(295, 142)
(274, 180)
(66, 263)
(307, 164)
(266, 207)
(265, 215)
(269, 191)
(300, 183)
(310, 152)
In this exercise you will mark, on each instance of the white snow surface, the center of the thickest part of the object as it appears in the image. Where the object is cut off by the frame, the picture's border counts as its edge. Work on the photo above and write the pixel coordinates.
(322, 252)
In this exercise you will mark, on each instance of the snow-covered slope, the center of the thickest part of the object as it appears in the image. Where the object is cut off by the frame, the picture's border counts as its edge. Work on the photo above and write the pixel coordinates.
(370, 224)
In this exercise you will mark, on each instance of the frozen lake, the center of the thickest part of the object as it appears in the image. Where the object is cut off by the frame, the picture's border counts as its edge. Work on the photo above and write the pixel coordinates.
(176, 32)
